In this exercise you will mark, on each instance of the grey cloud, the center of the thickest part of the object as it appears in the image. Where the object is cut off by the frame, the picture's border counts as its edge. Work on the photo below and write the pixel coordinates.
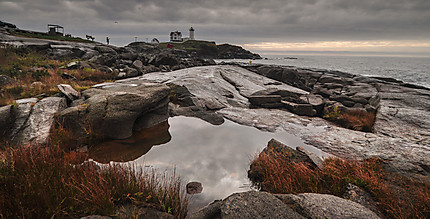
(236, 21)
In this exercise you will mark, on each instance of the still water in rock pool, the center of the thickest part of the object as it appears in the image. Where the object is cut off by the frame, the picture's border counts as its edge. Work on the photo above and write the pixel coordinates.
(216, 156)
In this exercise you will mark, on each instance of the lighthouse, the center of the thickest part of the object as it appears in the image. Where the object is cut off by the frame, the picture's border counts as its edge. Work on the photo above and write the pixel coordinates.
(191, 33)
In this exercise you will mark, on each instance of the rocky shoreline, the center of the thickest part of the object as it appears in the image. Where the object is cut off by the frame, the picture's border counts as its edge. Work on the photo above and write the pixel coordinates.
(270, 98)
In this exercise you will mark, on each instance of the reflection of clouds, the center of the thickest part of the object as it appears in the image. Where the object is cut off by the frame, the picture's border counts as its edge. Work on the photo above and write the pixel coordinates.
(216, 156)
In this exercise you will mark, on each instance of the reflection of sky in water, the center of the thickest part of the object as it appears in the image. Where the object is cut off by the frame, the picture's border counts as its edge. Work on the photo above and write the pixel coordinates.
(216, 156)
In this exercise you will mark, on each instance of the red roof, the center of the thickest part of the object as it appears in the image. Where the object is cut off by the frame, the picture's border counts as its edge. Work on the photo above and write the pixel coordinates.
(191, 29)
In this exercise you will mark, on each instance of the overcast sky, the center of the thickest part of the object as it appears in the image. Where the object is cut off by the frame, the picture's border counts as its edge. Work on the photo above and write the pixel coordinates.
(259, 25)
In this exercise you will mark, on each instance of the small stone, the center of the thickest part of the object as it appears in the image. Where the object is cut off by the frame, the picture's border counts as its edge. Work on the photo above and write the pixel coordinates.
(194, 188)
(68, 91)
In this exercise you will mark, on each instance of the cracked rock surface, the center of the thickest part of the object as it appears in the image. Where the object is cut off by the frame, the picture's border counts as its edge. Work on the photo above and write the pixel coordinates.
(400, 135)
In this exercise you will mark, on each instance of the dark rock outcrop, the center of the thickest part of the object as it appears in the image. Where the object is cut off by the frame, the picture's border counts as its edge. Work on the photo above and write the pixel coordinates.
(227, 51)
(324, 86)
(111, 111)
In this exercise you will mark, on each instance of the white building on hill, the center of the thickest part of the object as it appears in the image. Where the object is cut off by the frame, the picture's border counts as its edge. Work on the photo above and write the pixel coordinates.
(176, 36)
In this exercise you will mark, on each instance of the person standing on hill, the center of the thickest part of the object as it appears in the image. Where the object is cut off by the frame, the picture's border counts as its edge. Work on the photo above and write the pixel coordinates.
(107, 40)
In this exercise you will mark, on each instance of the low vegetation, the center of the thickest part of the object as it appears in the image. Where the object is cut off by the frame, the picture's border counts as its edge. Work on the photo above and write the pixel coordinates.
(35, 74)
(358, 120)
(395, 196)
(189, 44)
(50, 182)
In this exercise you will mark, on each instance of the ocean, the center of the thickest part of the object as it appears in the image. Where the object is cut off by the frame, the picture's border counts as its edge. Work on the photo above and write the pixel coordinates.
(415, 70)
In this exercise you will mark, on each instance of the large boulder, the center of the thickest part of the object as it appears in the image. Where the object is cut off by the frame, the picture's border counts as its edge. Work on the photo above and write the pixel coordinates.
(250, 204)
(256, 205)
(111, 110)
(37, 126)
(313, 205)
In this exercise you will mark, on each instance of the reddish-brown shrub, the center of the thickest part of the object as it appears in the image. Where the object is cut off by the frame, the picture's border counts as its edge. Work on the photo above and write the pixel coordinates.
(48, 182)
(399, 197)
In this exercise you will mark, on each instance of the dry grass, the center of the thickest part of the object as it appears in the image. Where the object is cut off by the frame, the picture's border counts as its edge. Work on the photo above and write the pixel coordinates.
(36, 74)
(359, 120)
(48, 182)
(396, 196)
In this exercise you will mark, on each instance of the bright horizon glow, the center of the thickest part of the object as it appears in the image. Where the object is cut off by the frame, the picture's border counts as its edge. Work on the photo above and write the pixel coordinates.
(342, 46)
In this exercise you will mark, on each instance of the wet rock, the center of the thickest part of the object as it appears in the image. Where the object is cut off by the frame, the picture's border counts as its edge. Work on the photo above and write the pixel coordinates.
(37, 126)
(194, 188)
(313, 205)
(131, 148)
(68, 91)
(194, 111)
(157, 115)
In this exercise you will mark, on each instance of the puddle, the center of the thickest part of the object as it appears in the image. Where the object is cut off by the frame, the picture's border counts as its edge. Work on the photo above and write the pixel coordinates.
(216, 156)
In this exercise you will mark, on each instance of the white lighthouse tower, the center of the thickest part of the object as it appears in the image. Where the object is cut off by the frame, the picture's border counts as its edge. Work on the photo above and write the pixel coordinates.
(191, 33)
